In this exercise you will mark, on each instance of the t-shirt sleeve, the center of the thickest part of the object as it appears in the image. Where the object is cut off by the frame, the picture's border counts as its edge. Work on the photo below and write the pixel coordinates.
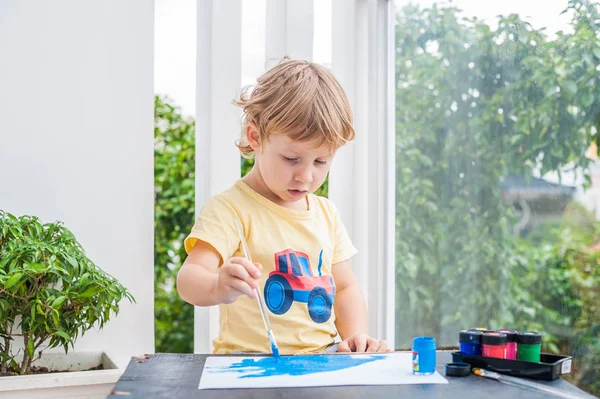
(216, 226)
(344, 249)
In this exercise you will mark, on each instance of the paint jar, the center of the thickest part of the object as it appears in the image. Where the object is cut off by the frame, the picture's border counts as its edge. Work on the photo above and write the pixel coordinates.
(423, 355)
(511, 343)
(493, 344)
(529, 346)
(470, 342)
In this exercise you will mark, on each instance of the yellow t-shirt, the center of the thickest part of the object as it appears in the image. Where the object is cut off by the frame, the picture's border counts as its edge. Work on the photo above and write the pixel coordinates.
(296, 249)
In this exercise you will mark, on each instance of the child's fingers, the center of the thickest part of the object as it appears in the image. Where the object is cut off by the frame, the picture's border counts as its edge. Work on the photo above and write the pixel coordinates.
(373, 345)
(241, 286)
(239, 272)
(252, 269)
(344, 346)
(383, 346)
(360, 344)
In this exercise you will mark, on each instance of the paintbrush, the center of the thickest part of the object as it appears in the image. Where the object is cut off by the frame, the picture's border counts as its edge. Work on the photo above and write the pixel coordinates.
(261, 301)
(522, 383)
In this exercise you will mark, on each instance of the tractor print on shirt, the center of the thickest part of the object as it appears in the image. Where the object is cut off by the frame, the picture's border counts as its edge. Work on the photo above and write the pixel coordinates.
(293, 280)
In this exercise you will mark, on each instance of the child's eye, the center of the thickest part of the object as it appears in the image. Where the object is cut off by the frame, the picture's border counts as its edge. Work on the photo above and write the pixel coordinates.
(288, 159)
(321, 162)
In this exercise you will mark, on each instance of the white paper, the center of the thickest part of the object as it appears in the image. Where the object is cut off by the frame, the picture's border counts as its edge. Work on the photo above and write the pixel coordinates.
(224, 372)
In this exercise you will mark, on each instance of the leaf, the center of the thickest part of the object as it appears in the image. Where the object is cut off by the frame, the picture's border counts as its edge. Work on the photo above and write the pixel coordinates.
(89, 292)
(553, 348)
(63, 334)
(57, 303)
(550, 91)
(12, 266)
(14, 279)
(30, 347)
(83, 279)
(570, 86)
(37, 267)
(587, 99)
(72, 261)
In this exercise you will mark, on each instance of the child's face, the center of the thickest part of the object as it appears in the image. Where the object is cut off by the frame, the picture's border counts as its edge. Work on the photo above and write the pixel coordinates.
(293, 169)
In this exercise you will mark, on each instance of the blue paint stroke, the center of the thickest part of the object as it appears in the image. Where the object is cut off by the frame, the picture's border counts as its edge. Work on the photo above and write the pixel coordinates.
(275, 350)
(293, 365)
(320, 262)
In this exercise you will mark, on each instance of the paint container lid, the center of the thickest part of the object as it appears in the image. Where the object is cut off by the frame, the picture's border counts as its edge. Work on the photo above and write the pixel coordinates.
(422, 343)
(529, 337)
(493, 338)
(511, 335)
(482, 329)
(470, 336)
(458, 369)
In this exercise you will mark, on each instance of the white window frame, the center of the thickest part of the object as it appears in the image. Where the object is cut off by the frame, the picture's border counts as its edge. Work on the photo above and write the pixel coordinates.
(362, 179)
(218, 78)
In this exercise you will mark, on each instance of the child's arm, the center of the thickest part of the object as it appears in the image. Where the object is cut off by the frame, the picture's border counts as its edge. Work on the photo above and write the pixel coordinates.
(351, 313)
(201, 282)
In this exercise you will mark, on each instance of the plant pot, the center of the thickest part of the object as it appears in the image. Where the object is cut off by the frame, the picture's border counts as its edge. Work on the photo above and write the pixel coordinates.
(74, 379)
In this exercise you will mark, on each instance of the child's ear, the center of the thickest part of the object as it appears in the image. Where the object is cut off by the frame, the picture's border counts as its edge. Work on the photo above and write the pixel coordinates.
(252, 136)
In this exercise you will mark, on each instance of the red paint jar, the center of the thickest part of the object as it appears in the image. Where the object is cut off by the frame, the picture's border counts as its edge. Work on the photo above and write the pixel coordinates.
(493, 344)
(511, 343)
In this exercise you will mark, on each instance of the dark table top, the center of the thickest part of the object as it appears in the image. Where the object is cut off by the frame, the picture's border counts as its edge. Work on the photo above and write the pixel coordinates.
(171, 376)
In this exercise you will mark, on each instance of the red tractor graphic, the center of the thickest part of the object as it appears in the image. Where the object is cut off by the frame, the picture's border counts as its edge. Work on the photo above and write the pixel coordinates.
(293, 280)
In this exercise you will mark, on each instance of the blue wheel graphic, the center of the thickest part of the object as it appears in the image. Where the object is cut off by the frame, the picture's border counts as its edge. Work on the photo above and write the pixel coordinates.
(278, 294)
(319, 305)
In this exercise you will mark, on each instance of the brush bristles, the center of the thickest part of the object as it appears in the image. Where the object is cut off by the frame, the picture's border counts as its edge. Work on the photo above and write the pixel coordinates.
(274, 347)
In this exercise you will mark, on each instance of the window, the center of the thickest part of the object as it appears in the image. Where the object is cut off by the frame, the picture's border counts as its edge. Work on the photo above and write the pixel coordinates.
(497, 178)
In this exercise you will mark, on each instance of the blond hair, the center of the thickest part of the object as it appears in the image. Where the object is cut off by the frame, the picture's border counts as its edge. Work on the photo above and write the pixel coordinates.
(300, 99)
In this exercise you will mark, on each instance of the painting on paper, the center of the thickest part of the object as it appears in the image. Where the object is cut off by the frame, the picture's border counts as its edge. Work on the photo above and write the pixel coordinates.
(312, 371)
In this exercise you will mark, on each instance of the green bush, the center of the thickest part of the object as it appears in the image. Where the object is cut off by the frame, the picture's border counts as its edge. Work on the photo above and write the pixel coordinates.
(50, 292)
(555, 287)
(174, 160)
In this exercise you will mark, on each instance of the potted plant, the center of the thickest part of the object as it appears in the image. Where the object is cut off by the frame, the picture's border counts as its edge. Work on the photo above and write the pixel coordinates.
(50, 294)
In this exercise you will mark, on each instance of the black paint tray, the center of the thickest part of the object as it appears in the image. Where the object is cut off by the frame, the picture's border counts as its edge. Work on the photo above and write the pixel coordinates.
(549, 368)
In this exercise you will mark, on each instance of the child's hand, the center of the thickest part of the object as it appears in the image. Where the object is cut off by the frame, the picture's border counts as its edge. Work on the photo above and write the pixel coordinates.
(362, 343)
(237, 276)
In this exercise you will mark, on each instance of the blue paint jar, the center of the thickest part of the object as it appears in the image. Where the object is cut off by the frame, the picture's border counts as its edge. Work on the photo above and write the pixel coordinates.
(423, 355)
(470, 342)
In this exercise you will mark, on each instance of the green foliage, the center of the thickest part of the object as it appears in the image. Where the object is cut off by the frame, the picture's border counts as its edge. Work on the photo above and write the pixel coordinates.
(50, 292)
(174, 160)
(473, 105)
(564, 302)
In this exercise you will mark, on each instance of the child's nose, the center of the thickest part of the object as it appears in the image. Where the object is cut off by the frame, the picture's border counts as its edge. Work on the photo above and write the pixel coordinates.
(304, 176)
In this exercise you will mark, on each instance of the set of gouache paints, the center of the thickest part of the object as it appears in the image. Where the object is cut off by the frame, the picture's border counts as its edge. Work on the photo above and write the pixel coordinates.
(501, 344)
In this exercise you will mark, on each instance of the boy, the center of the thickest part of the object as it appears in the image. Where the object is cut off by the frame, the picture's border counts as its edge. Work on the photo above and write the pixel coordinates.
(295, 119)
